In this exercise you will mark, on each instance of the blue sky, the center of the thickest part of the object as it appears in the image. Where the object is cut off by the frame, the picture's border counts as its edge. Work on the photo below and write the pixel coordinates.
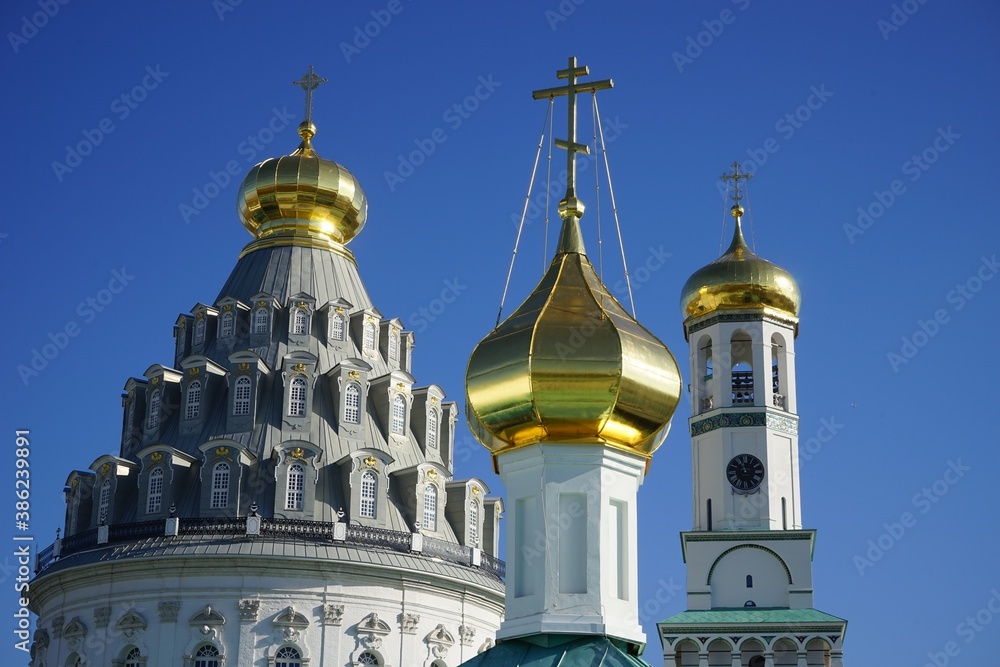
(870, 126)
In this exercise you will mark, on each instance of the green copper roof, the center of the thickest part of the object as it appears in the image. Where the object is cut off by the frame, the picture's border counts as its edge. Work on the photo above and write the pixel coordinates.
(573, 651)
(751, 615)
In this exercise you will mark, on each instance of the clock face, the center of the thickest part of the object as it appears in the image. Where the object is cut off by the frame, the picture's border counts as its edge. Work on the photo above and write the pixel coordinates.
(745, 472)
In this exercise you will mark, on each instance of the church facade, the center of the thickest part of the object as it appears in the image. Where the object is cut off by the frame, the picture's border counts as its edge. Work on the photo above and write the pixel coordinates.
(283, 493)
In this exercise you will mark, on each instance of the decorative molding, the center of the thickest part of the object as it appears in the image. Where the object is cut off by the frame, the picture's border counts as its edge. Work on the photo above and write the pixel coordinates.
(370, 462)
(156, 457)
(742, 317)
(333, 614)
(102, 616)
(249, 610)
(486, 646)
(788, 423)
(371, 630)
(440, 640)
(168, 611)
(57, 626)
(408, 623)
(222, 451)
(467, 633)
(208, 617)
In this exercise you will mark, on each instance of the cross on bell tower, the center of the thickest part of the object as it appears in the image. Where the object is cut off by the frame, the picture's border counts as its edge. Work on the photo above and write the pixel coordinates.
(570, 205)
(309, 82)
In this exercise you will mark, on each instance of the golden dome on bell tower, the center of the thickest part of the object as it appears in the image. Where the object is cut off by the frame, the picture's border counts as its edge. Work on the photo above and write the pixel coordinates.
(571, 365)
(302, 199)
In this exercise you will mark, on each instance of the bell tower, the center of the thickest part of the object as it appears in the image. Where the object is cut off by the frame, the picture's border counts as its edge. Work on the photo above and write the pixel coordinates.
(749, 560)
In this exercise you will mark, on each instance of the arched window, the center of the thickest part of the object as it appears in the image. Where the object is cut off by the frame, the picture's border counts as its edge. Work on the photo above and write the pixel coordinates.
(154, 410)
(368, 341)
(368, 658)
(287, 657)
(220, 485)
(133, 658)
(260, 321)
(473, 523)
(199, 331)
(129, 421)
(393, 345)
(193, 404)
(749, 581)
(241, 398)
(227, 324)
(369, 486)
(430, 507)
(154, 492)
(337, 327)
(74, 660)
(300, 321)
(433, 419)
(352, 403)
(206, 656)
(297, 397)
(295, 487)
(399, 415)
(104, 502)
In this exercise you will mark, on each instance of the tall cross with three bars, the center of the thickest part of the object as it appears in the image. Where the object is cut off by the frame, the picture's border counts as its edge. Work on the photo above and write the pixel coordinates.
(309, 83)
(570, 90)
(736, 177)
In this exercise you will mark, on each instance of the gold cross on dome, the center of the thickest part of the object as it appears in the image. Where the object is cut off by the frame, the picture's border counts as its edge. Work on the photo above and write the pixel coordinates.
(309, 83)
(736, 177)
(570, 90)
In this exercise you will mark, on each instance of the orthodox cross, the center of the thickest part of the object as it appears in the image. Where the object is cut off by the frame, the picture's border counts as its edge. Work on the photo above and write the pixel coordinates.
(309, 83)
(736, 177)
(570, 90)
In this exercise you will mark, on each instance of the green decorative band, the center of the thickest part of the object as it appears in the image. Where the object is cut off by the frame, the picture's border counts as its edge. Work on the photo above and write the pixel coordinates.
(742, 317)
(787, 423)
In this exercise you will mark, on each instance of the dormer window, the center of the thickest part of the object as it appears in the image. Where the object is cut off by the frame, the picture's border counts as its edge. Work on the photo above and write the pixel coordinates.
(369, 487)
(430, 507)
(192, 405)
(393, 346)
(104, 502)
(433, 419)
(220, 485)
(352, 403)
(295, 487)
(300, 321)
(227, 324)
(199, 330)
(154, 410)
(473, 524)
(338, 325)
(368, 338)
(129, 421)
(154, 492)
(399, 415)
(297, 397)
(260, 321)
(241, 398)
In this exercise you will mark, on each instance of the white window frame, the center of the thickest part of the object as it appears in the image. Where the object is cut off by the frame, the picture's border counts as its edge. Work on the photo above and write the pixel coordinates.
(393, 345)
(474, 523)
(300, 321)
(242, 390)
(219, 498)
(352, 403)
(133, 658)
(154, 490)
(104, 502)
(368, 336)
(369, 658)
(398, 419)
(433, 424)
(192, 400)
(260, 320)
(200, 326)
(298, 392)
(369, 495)
(153, 419)
(227, 324)
(338, 327)
(430, 506)
(207, 656)
(288, 656)
(129, 420)
(295, 484)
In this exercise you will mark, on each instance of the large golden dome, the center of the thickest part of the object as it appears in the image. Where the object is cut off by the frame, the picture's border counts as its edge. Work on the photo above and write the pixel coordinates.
(740, 279)
(302, 199)
(570, 365)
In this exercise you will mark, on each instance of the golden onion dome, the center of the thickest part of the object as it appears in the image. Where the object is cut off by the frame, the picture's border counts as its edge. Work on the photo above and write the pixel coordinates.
(302, 199)
(571, 366)
(740, 280)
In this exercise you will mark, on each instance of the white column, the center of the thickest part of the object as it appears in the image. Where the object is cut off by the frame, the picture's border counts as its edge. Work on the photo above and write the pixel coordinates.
(802, 659)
